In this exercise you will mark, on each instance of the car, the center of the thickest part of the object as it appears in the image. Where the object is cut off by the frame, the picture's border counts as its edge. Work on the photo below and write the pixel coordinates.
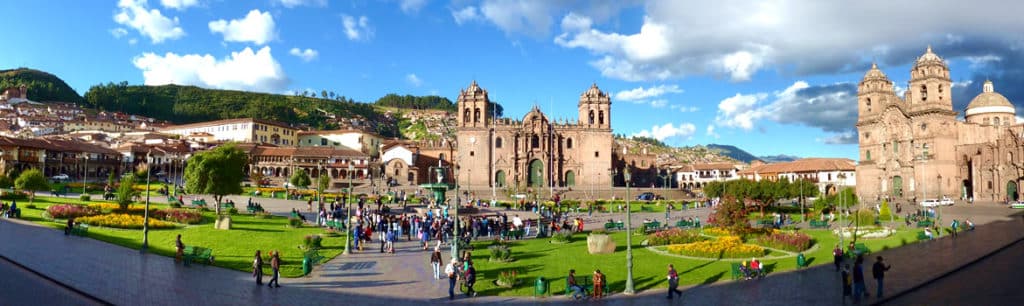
(648, 196)
(930, 203)
(1017, 204)
(61, 177)
(946, 201)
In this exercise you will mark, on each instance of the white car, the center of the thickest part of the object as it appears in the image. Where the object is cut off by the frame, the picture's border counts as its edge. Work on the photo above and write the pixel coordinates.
(61, 177)
(930, 203)
(946, 201)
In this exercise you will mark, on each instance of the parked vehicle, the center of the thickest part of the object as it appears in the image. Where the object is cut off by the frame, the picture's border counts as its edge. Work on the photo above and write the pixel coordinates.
(61, 177)
(936, 202)
(648, 196)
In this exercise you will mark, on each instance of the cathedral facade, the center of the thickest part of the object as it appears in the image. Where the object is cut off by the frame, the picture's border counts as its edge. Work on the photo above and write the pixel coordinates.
(916, 147)
(534, 152)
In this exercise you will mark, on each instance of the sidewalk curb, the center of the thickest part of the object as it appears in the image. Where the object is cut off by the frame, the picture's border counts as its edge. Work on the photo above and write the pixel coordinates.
(59, 283)
(947, 273)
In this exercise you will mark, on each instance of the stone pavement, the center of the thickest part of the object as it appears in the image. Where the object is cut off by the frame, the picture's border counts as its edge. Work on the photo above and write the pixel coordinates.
(125, 277)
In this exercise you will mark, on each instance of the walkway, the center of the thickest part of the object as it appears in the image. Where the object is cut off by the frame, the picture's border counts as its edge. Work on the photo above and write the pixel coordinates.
(126, 277)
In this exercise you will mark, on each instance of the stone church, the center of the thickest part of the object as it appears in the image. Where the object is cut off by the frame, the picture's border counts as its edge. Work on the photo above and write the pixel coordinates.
(917, 147)
(535, 151)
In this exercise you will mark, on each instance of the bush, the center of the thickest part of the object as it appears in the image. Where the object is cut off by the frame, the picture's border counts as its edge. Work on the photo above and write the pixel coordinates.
(16, 195)
(885, 213)
(562, 236)
(673, 236)
(716, 231)
(723, 247)
(294, 222)
(64, 211)
(123, 221)
(862, 218)
(175, 205)
(793, 242)
(508, 278)
(311, 242)
(233, 211)
(640, 230)
(500, 253)
(85, 197)
(262, 215)
(178, 215)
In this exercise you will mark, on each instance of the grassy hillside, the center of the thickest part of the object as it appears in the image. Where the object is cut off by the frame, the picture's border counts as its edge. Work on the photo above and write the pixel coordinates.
(42, 86)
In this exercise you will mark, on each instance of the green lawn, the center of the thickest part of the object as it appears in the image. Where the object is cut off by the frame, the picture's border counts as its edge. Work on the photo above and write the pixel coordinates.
(538, 257)
(233, 249)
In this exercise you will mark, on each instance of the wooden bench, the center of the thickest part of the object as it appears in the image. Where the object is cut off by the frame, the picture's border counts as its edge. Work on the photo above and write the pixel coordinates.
(610, 226)
(925, 223)
(684, 224)
(652, 226)
(819, 224)
(199, 203)
(80, 229)
(199, 254)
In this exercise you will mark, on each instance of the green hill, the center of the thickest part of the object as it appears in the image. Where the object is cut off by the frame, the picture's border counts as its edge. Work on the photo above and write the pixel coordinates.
(42, 86)
(187, 104)
(733, 152)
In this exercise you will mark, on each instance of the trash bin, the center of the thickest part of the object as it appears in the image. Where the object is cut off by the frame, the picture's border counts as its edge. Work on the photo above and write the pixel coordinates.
(801, 261)
(307, 266)
(540, 287)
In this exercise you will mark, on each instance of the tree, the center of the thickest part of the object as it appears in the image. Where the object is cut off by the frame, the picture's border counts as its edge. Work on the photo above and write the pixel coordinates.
(714, 189)
(885, 212)
(256, 177)
(217, 172)
(32, 180)
(300, 179)
(847, 197)
(322, 183)
(111, 179)
(731, 213)
(126, 192)
(803, 189)
(5, 181)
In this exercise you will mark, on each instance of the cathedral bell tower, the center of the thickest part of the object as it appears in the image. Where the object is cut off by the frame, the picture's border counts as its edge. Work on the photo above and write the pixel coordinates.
(595, 109)
(874, 92)
(473, 107)
(930, 84)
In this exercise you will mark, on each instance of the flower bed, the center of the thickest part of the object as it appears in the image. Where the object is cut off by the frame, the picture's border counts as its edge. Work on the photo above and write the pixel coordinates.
(177, 215)
(723, 247)
(109, 207)
(64, 211)
(716, 231)
(867, 232)
(123, 221)
(793, 242)
(673, 236)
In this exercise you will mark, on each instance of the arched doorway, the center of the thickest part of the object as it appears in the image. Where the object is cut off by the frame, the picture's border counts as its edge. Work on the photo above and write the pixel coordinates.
(570, 179)
(536, 176)
(1011, 191)
(897, 186)
(499, 178)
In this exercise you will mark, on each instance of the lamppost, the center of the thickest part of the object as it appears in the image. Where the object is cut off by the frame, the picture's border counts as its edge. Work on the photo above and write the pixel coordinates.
(145, 216)
(802, 212)
(348, 210)
(938, 194)
(629, 238)
(842, 200)
(85, 171)
(320, 190)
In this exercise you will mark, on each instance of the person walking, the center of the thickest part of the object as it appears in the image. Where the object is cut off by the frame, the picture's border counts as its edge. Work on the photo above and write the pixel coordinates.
(673, 282)
(275, 265)
(837, 257)
(257, 268)
(598, 282)
(450, 270)
(435, 262)
(954, 225)
(878, 271)
(470, 275)
(858, 279)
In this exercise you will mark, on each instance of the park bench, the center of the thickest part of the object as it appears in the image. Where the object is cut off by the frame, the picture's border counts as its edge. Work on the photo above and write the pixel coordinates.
(199, 203)
(172, 200)
(925, 223)
(16, 213)
(652, 226)
(225, 205)
(255, 208)
(1018, 205)
(58, 192)
(737, 272)
(819, 224)
(108, 196)
(200, 254)
(858, 249)
(610, 226)
(586, 283)
(684, 224)
(766, 223)
(80, 229)
(922, 236)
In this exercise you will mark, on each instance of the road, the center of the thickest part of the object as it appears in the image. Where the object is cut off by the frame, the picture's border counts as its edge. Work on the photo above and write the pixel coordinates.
(991, 281)
(19, 286)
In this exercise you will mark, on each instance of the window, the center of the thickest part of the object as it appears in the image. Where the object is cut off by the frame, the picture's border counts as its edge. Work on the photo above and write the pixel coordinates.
(497, 143)
(597, 154)
(591, 117)
(869, 101)
(924, 92)
(568, 143)
(465, 116)
(476, 115)
(995, 121)
(867, 155)
(534, 142)
(472, 153)
(309, 141)
(600, 117)
(323, 141)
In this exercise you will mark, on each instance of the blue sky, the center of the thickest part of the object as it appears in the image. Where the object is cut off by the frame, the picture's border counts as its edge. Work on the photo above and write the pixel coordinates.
(777, 77)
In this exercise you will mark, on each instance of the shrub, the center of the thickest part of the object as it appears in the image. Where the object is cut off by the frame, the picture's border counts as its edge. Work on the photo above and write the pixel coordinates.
(178, 215)
(64, 211)
(123, 221)
(262, 215)
(723, 247)
(500, 253)
(294, 222)
(507, 278)
(112, 207)
(640, 230)
(673, 236)
(16, 195)
(562, 236)
(175, 205)
(716, 231)
(885, 213)
(233, 211)
(862, 217)
(793, 242)
(85, 197)
(311, 242)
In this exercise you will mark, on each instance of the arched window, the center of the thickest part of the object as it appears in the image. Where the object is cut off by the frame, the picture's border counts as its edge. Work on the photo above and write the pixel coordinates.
(497, 143)
(600, 117)
(591, 117)
(568, 143)
(995, 121)
(869, 101)
(534, 142)
(924, 92)
(476, 115)
(465, 116)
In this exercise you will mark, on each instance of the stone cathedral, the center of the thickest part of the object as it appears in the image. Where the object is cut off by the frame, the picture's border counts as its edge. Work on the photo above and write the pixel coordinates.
(535, 151)
(917, 147)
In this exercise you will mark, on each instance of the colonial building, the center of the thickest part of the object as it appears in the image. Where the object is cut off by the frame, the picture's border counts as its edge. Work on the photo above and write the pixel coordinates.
(358, 140)
(240, 130)
(915, 147)
(696, 176)
(278, 163)
(828, 174)
(534, 151)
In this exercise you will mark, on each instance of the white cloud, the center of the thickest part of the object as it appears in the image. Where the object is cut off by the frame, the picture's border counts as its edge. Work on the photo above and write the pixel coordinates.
(180, 5)
(738, 39)
(668, 130)
(148, 22)
(294, 3)
(641, 93)
(306, 55)
(740, 111)
(684, 108)
(413, 80)
(412, 6)
(465, 15)
(831, 108)
(256, 27)
(133, 41)
(357, 28)
(243, 70)
(659, 103)
(118, 32)
(527, 17)
(710, 131)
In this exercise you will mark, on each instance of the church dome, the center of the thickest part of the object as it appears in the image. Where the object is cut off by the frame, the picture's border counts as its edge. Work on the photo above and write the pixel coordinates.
(875, 73)
(928, 58)
(593, 92)
(989, 101)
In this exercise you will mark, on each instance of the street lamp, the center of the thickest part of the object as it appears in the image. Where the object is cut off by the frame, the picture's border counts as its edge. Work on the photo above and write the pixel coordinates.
(629, 238)
(85, 171)
(348, 210)
(145, 218)
(938, 195)
(842, 200)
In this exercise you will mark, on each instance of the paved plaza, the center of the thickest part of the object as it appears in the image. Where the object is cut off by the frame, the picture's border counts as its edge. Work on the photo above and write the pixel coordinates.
(125, 277)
